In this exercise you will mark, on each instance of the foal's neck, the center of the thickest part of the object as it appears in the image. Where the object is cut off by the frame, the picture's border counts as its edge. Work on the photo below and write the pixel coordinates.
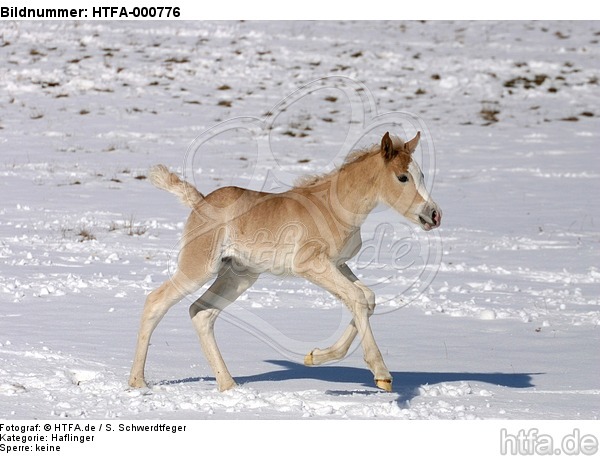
(355, 187)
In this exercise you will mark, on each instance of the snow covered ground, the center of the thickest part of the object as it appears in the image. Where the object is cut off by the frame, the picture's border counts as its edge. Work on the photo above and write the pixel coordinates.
(495, 315)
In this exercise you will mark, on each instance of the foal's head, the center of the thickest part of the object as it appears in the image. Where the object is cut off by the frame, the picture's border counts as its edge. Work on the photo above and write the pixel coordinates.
(403, 184)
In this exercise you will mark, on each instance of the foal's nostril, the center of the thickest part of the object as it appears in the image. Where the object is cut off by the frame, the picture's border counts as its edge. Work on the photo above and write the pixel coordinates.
(434, 217)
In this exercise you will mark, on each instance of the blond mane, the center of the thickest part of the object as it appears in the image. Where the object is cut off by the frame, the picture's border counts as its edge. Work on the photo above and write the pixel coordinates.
(353, 157)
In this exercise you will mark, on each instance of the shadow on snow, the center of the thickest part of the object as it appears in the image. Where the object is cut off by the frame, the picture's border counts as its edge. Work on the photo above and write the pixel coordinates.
(406, 384)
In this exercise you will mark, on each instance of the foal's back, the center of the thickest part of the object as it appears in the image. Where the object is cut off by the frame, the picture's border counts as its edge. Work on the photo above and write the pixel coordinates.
(261, 231)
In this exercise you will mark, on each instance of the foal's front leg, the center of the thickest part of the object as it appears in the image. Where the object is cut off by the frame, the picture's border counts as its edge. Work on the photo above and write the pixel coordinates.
(340, 348)
(333, 280)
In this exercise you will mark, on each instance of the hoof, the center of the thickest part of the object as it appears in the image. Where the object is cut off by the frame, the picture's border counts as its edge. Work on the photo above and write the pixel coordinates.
(137, 383)
(308, 360)
(227, 386)
(384, 384)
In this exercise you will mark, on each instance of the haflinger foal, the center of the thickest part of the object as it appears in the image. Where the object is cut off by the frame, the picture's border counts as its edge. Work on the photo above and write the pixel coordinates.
(309, 231)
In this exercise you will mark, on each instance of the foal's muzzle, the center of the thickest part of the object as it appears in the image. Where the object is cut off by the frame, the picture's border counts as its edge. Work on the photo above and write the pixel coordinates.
(430, 218)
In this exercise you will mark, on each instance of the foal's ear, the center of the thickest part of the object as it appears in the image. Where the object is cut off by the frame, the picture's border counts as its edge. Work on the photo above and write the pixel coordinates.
(411, 145)
(387, 147)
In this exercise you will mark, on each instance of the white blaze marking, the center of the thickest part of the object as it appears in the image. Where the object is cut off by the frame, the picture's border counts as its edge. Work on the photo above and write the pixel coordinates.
(415, 172)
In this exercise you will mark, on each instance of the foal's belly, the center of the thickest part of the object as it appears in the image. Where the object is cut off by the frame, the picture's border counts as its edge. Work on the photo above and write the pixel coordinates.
(260, 255)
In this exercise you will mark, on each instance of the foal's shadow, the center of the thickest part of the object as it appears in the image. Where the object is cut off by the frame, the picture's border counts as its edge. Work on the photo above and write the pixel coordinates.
(406, 384)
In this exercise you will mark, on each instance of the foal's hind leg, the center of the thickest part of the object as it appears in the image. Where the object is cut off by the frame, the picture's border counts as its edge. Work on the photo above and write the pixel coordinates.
(157, 304)
(339, 349)
(228, 286)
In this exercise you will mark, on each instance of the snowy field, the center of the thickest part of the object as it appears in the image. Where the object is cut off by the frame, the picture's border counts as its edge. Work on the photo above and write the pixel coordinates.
(493, 316)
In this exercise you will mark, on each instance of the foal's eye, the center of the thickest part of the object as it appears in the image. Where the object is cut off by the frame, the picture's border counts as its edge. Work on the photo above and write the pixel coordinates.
(403, 178)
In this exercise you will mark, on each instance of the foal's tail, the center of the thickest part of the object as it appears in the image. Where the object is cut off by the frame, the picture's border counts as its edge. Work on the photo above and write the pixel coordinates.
(165, 180)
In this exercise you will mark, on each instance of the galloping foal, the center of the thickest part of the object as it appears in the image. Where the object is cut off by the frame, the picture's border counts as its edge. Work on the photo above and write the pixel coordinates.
(309, 231)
